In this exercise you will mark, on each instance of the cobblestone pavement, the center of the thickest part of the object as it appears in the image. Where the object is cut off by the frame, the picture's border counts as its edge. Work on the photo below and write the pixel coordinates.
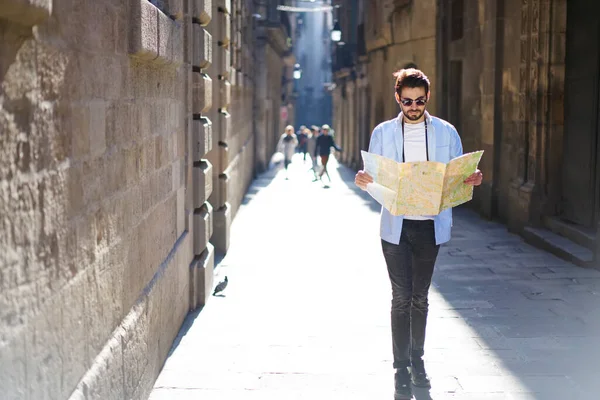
(306, 312)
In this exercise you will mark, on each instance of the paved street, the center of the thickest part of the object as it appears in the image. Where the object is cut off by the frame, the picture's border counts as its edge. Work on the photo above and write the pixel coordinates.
(306, 312)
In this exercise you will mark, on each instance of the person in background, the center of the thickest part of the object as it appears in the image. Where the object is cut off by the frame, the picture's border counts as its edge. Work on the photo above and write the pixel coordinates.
(302, 142)
(287, 145)
(323, 149)
(298, 134)
(311, 146)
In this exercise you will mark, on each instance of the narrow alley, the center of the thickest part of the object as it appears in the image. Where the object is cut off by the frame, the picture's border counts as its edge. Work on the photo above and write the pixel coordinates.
(306, 311)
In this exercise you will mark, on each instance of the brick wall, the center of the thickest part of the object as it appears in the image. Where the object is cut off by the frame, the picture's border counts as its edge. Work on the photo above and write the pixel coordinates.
(110, 147)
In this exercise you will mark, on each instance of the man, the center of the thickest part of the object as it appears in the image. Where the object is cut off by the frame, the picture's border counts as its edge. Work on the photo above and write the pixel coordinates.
(411, 243)
(323, 148)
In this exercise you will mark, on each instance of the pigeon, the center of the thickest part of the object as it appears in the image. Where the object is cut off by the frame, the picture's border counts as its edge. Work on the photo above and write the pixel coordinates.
(221, 286)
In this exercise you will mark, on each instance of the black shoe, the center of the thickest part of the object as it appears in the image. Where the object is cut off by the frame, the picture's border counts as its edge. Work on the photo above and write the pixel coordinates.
(403, 390)
(418, 375)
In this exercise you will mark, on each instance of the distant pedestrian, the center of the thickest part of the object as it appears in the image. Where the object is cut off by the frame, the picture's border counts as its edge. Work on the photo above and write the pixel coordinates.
(287, 145)
(311, 146)
(323, 149)
(299, 133)
(411, 243)
(302, 142)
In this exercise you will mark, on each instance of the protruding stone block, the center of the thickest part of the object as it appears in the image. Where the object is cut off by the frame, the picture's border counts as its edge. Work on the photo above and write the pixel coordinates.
(143, 37)
(202, 57)
(25, 12)
(202, 11)
(223, 6)
(202, 138)
(176, 9)
(202, 185)
(222, 225)
(201, 277)
(224, 181)
(223, 62)
(202, 92)
(224, 29)
(224, 126)
(225, 93)
(178, 47)
(203, 227)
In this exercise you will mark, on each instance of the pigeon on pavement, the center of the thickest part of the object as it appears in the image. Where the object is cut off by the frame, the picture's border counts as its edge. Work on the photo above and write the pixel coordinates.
(221, 286)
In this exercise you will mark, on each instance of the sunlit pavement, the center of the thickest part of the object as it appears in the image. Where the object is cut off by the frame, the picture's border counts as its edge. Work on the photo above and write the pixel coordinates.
(306, 312)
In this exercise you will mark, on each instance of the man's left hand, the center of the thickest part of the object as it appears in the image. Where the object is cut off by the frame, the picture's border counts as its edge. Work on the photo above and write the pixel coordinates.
(475, 178)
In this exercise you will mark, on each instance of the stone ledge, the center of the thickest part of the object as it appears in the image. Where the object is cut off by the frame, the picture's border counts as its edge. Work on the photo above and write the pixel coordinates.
(25, 12)
(154, 36)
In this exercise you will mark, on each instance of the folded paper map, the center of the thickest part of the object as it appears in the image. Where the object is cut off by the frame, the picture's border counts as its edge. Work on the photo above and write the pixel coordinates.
(420, 188)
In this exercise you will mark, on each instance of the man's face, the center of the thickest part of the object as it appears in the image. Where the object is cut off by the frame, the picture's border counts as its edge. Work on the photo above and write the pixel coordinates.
(325, 131)
(413, 102)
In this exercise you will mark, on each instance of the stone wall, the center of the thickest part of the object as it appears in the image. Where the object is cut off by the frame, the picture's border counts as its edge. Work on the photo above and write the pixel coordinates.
(125, 136)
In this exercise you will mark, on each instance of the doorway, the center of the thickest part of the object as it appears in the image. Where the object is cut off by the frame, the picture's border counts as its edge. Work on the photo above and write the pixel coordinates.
(580, 196)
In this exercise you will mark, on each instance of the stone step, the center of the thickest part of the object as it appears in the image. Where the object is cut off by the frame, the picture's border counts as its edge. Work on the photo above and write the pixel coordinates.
(560, 246)
(581, 235)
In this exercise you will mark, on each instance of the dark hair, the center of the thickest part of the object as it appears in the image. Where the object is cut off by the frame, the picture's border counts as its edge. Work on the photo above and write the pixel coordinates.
(412, 78)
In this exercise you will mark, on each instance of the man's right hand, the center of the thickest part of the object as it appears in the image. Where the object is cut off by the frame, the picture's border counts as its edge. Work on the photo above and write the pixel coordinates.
(362, 179)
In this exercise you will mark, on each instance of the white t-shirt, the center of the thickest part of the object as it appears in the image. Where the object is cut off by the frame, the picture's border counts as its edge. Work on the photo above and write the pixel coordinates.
(415, 150)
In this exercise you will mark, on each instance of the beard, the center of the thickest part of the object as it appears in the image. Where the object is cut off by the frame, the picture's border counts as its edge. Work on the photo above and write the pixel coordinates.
(414, 115)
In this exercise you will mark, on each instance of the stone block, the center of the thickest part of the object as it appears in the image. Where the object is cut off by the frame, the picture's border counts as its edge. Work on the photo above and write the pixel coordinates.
(201, 277)
(13, 369)
(178, 47)
(181, 226)
(202, 138)
(143, 37)
(165, 39)
(202, 11)
(224, 126)
(25, 12)
(224, 93)
(97, 128)
(224, 181)
(223, 6)
(175, 9)
(202, 185)
(203, 227)
(224, 62)
(202, 52)
(223, 29)
(201, 92)
(222, 226)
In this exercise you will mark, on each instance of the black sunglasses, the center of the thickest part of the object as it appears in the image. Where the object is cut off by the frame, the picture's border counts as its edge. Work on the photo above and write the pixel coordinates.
(408, 102)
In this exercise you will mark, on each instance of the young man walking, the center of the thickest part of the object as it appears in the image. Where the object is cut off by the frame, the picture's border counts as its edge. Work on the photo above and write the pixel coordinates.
(411, 243)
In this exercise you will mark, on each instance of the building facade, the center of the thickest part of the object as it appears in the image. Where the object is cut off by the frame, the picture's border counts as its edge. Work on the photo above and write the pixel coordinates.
(128, 141)
(519, 79)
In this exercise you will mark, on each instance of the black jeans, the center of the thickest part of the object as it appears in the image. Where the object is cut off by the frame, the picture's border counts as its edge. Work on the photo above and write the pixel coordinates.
(410, 267)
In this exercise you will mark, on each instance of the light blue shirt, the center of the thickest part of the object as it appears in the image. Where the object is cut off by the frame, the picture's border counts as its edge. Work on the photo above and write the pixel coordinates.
(443, 144)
